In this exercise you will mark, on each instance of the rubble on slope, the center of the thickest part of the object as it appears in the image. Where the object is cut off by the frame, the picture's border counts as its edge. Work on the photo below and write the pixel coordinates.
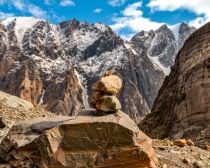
(173, 156)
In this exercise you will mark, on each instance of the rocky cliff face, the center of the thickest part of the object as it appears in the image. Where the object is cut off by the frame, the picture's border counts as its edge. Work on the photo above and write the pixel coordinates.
(182, 106)
(54, 65)
(34, 68)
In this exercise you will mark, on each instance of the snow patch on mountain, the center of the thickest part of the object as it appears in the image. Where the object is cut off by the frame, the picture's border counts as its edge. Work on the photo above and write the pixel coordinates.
(157, 64)
(22, 24)
(85, 38)
(51, 67)
(175, 29)
(129, 47)
(41, 100)
(101, 27)
(107, 60)
(7, 21)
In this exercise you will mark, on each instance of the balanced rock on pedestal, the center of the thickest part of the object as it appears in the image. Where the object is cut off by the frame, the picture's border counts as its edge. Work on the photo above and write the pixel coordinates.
(104, 93)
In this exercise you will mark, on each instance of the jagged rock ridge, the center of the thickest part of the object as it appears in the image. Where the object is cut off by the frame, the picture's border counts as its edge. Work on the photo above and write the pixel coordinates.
(163, 44)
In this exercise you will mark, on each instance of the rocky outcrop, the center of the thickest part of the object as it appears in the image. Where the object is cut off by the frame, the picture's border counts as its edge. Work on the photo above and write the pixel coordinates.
(13, 101)
(172, 156)
(182, 106)
(87, 141)
(184, 32)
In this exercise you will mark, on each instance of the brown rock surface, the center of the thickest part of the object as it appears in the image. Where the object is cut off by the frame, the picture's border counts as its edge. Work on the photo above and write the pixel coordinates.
(180, 142)
(108, 104)
(94, 97)
(182, 108)
(87, 141)
(110, 84)
(61, 96)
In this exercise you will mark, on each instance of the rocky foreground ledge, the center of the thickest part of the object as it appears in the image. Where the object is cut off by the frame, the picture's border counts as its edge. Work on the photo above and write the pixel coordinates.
(86, 141)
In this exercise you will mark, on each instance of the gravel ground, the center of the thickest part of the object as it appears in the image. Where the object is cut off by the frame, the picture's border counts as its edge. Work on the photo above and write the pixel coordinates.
(172, 156)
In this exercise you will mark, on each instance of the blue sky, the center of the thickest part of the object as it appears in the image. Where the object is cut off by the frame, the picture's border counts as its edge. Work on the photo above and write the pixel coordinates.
(126, 17)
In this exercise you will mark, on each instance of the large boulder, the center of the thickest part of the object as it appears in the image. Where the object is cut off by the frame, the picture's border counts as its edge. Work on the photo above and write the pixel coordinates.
(88, 141)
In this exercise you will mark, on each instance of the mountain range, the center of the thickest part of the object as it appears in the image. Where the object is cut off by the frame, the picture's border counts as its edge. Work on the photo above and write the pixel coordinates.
(54, 66)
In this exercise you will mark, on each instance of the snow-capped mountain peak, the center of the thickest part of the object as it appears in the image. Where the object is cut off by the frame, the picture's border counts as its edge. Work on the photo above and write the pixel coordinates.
(175, 29)
(21, 24)
(163, 44)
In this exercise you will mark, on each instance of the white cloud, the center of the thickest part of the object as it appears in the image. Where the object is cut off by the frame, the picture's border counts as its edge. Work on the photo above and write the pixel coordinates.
(49, 2)
(2, 2)
(132, 19)
(67, 3)
(26, 7)
(198, 22)
(127, 36)
(199, 7)
(20, 5)
(98, 10)
(37, 11)
(115, 3)
(133, 10)
(5, 15)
